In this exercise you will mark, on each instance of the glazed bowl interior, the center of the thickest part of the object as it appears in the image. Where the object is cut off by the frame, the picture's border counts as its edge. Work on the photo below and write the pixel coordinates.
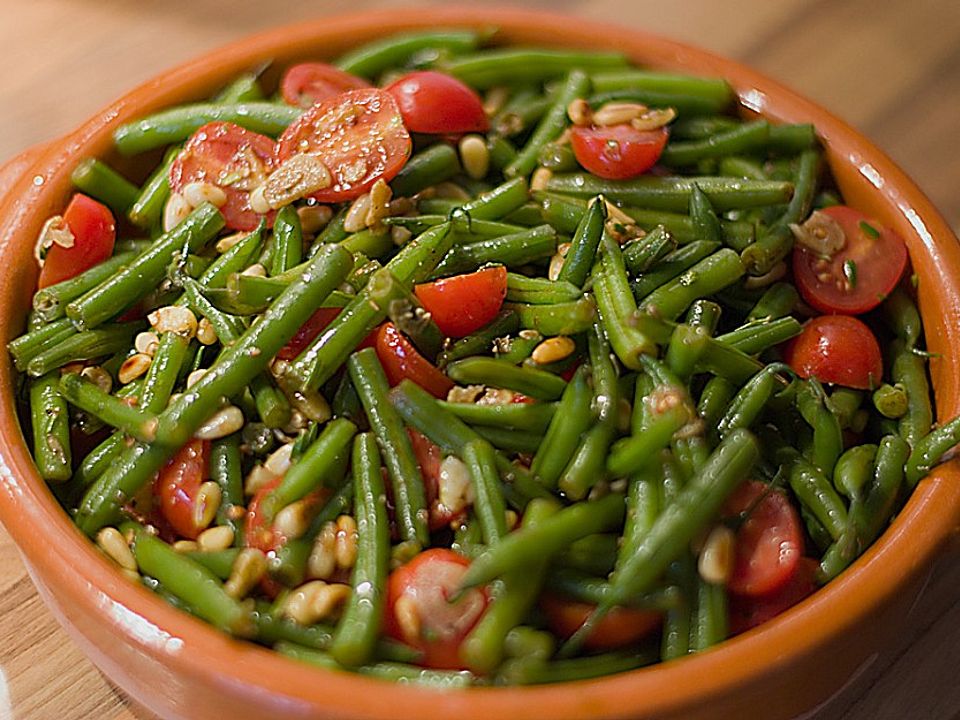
(93, 599)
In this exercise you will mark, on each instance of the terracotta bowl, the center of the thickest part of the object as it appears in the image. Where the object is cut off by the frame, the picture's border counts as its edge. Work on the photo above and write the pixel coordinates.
(181, 668)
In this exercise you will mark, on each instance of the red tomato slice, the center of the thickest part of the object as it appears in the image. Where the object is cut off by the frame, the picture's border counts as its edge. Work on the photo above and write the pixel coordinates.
(231, 157)
(94, 233)
(437, 103)
(400, 360)
(314, 325)
(463, 304)
(256, 533)
(358, 134)
(178, 484)
(429, 457)
(617, 152)
(748, 612)
(836, 349)
(621, 626)
(769, 541)
(309, 83)
(426, 619)
(858, 277)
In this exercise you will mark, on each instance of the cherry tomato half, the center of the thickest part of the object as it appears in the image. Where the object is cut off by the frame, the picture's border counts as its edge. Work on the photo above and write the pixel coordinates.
(463, 304)
(178, 484)
(617, 152)
(358, 134)
(400, 360)
(94, 233)
(769, 541)
(256, 533)
(621, 626)
(306, 84)
(429, 456)
(437, 103)
(231, 157)
(860, 275)
(748, 612)
(426, 619)
(836, 349)
(314, 325)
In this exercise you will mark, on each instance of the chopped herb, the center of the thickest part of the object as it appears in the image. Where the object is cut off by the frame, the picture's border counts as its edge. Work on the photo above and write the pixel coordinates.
(850, 272)
(869, 230)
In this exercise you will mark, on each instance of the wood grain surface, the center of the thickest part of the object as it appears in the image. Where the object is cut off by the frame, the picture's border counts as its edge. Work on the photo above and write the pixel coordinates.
(892, 69)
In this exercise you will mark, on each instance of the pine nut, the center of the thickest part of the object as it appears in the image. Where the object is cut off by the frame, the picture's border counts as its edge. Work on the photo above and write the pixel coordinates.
(380, 195)
(224, 244)
(206, 334)
(329, 601)
(176, 319)
(257, 478)
(315, 601)
(258, 201)
(146, 342)
(345, 549)
(495, 99)
(541, 176)
(618, 113)
(654, 118)
(616, 215)
(255, 270)
(715, 563)
(248, 569)
(197, 193)
(496, 396)
(292, 522)
(175, 211)
(313, 218)
(400, 235)
(133, 367)
(553, 349)
(557, 261)
(278, 461)
(579, 112)
(455, 487)
(98, 376)
(111, 541)
(322, 562)
(356, 218)
(225, 421)
(474, 156)
(512, 519)
(185, 546)
(209, 497)
(215, 539)
(195, 376)
(297, 177)
(468, 394)
(407, 613)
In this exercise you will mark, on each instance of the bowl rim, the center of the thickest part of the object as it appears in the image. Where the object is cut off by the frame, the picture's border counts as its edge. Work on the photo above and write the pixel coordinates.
(926, 522)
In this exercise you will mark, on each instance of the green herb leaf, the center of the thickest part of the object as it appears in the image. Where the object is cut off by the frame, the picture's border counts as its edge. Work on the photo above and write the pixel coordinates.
(869, 230)
(850, 272)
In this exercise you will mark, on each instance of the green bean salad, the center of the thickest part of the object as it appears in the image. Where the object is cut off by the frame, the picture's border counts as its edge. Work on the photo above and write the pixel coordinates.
(455, 363)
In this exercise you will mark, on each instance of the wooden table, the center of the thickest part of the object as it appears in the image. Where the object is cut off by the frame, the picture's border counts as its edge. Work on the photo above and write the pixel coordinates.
(891, 68)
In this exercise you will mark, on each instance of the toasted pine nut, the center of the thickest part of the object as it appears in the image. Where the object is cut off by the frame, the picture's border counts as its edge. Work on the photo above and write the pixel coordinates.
(111, 541)
(255, 270)
(356, 217)
(380, 195)
(553, 349)
(495, 99)
(541, 176)
(512, 519)
(258, 201)
(55, 231)
(225, 421)
(257, 478)
(408, 618)
(474, 156)
(616, 215)
(133, 367)
(454, 485)
(205, 332)
(185, 546)
(248, 569)
(174, 318)
(209, 497)
(330, 600)
(292, 522)
(297, 177)
(197, 193)
(345, 549)
(654, 118)
(146, 342)
(313, 218)
(322, 562)
(530, 333)
(194, 377)
(400, 235)
(468, 394)
(98, 376)
(618, 113)
(715, 563)
(579, 112)
(175, 211)
(299, 604)
(557, 261)
(496, 396)
(279, 460)
(215, 539)
(224, 244)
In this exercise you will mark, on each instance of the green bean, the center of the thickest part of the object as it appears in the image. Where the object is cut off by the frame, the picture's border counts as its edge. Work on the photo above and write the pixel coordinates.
(103, 183)
(538, 384)
(416, 675)
(408, 493)
(744, 138)
(736, 234)
(225, 470)
(687, 344)
(489, 505)
(432, 166)
(880, 500)
(583, 248)
(706, 224)
(540, 291)
(704, 315)
(572, 419)
(122, 290)
(709, 625)
(190, 581)
(557, 157)
(501, 151)
(711, 274)
(928, 450)
(498, 202)
(792, 139)
(147, 209)
(698, 128)
(632, 454)
(562, 212)
(405, 311)
(244, 88)
(532, 417)
(754, 338)
(231, 372)
(552, 124)
(736, 166)
(84, 346)
(511, 250)
(357, 632)
(219, 562)
(853, 470)
(38, 340)
(673, 193)
(673, 265)
(50, 422)
(288, 240)
(901, 315)
(374, 58)
(640, 255)
(891, 401)
(715, 91)
(370, 242)
(99, 459)
(332, 233)
(110, 409)
(527, 672)
(177, 124)
(910, 373)
(510, 440)
(562, 318)
(515, 66)
(50, 302)
(777, 301)
(484, 648)
(506, 323)
(748, 404)
(530, 545)
(814, 491)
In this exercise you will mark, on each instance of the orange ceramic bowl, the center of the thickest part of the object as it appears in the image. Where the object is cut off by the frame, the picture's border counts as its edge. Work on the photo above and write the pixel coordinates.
(180, 667)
